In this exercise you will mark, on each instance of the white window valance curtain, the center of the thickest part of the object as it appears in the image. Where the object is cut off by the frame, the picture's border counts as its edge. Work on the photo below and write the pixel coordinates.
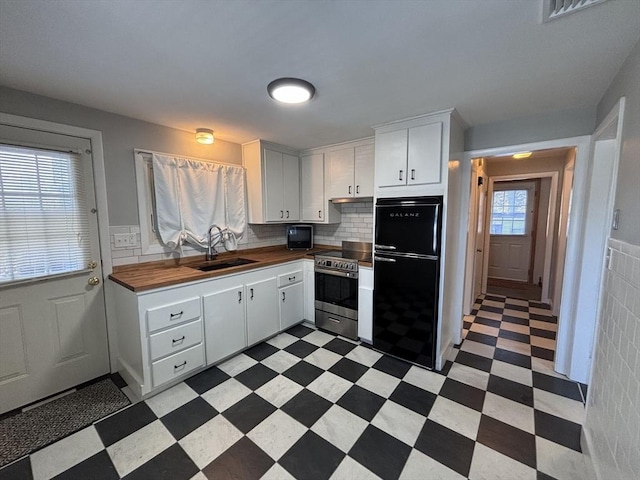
(191, 195)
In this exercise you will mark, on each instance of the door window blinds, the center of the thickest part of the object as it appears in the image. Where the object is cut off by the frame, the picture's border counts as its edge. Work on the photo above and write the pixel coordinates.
(192, 195)
(44, 228)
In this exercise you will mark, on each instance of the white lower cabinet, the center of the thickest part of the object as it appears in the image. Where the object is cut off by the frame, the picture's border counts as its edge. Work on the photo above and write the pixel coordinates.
(225, 324)
(365, 304)
(262, 310)
(291, 305)
(168, 334)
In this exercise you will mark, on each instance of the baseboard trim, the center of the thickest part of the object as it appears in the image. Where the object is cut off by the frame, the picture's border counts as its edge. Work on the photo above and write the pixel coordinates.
(587, 450)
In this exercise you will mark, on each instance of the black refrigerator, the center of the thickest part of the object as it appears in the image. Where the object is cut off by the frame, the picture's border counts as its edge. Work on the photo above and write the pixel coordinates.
(407, 277)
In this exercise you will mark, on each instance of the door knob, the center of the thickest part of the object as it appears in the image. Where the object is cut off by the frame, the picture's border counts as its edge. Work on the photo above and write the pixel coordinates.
(93, 281)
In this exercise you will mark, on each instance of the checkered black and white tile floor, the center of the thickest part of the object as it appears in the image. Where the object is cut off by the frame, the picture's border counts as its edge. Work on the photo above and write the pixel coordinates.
(309, 405)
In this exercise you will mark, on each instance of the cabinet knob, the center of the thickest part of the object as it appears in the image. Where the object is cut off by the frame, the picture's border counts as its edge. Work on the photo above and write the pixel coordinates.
(400, 175)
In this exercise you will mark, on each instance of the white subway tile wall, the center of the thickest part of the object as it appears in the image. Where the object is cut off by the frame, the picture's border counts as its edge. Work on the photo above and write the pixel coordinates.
(612, 425)
(356, 226)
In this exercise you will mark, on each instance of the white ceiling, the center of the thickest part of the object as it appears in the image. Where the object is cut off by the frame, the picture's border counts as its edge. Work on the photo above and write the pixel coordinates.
(190, 63)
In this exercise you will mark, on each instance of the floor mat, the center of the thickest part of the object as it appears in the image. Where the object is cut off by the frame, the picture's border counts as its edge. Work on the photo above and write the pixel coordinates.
(28, 431)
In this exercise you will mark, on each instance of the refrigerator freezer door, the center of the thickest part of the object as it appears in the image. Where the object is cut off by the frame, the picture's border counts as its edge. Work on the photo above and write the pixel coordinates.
(409, 226)
(406, 307)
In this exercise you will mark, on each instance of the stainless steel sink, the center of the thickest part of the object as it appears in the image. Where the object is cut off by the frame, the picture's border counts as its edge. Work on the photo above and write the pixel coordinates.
(221, 264)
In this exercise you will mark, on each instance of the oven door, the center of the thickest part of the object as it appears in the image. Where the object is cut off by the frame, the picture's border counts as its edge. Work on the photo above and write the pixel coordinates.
(337, 292)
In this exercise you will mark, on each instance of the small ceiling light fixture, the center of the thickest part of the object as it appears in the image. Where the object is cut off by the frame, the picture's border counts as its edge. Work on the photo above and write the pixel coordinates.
(291, 90)
(204, 135)
(521, 155)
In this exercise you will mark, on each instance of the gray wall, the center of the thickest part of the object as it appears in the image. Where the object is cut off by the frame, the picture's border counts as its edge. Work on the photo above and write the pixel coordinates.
(627, 84)
(537, 128)
(120, 135)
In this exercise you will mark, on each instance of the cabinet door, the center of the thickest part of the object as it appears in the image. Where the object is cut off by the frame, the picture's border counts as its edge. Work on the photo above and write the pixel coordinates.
(312, 192)
(391, 158)
(364, 171)
(262, 310)
(341, 172)
(224, 323)
(273, 186)
(291, 301)
(425, 154)
(291, 187)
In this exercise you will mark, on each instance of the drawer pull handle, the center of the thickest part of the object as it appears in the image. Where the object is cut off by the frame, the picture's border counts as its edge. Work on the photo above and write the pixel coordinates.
(174, 315)
(177, 340)
(292, 278)
(400, 175)
(413, 174)
(251, 290)
(349, 189)
(287, 213)
(281, 213)
(283, 297)
(239, 297)
(181, 366)
(357, 189)
(319, 213)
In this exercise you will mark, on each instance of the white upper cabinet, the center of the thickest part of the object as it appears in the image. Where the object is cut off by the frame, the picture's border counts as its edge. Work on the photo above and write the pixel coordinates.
(351, 171)
(315, 206)
(273, 182)
(409, 156)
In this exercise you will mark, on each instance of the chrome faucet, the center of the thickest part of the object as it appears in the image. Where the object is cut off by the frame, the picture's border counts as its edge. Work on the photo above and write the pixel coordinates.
(212, 253)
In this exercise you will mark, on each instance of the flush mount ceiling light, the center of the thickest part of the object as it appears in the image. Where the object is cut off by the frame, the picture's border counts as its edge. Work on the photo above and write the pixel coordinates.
(291, 90)
(521, 155)
(204, 135)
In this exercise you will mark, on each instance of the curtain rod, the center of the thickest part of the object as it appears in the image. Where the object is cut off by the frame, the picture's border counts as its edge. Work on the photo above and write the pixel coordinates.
(140, 151)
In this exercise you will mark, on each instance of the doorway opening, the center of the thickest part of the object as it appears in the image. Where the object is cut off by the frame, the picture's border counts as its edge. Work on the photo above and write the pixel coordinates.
(517, 232)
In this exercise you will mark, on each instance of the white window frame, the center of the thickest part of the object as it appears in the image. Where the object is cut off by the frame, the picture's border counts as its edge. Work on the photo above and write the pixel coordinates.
(150, 243)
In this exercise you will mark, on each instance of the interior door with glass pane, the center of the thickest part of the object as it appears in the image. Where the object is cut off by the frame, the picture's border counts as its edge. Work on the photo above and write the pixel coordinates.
(510, 230)
(52, 317)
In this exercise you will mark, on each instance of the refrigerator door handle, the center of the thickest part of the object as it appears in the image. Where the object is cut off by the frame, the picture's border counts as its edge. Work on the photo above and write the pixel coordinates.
(384, 259)
(435, 229)
(384, 247)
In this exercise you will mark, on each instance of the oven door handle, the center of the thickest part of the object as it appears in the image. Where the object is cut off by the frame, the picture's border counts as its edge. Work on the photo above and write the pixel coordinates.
(336, 273)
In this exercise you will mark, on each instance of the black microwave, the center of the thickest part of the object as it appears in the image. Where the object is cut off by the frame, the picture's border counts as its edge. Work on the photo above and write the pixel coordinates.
(299, 237)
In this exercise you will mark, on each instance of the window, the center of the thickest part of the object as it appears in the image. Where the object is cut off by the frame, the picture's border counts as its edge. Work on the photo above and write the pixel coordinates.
(509, 212)
(44, 228)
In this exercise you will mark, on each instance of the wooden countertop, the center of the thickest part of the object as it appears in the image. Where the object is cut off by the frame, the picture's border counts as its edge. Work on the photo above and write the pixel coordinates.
(140, 277)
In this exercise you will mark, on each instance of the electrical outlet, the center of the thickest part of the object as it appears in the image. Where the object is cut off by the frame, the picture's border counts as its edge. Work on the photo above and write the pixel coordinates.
(133, 240)
(123, 239)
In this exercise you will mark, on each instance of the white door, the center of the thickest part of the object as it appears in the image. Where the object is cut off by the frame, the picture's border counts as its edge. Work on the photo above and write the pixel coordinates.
(363, 171)
(224, 323)
(341, 171)
(291, 191)
(291, 305)
(274, 186)
(312, 191)
(481, 203)
(52, 317)
(510, 230)
(262, 310)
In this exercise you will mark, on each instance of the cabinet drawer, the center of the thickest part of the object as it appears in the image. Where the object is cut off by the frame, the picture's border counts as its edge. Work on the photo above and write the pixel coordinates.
(177, 365)
(289, 278)
(175, 339)
(173, 314)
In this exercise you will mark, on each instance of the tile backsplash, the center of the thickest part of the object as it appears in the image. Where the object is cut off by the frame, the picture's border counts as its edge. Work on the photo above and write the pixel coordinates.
(612, 425)
(356, 225)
